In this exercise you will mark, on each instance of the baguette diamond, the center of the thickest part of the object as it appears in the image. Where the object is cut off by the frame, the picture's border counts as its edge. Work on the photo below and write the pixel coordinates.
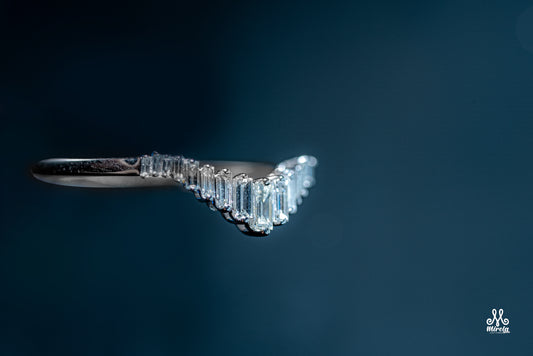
(177, 171)
(301, 191)
(242, 197)
(167, 166)
(223, 190)
(262, 205)
(146, 166)
(190, 171)
(292, 190)
(158, 164)
(309, 163)
(280, 204)
(207, 182)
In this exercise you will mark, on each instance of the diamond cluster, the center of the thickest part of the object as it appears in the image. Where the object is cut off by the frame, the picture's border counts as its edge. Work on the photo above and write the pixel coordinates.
(256, 205)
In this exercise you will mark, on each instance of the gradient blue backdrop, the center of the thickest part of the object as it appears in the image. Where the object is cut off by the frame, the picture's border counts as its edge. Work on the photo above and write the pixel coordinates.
(420, 113)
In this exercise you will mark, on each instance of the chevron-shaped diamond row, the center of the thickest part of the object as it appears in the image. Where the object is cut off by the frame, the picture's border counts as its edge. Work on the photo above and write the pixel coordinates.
(258, 204)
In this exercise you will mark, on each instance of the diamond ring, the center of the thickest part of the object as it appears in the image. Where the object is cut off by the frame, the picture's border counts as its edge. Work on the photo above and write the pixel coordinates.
(253, 196)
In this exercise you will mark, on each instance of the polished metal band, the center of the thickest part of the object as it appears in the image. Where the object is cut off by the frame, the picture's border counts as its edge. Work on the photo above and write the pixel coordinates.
(123, 172)
(255, 197)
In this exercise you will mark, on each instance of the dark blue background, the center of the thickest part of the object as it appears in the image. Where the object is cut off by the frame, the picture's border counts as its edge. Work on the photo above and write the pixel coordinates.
(420, 113)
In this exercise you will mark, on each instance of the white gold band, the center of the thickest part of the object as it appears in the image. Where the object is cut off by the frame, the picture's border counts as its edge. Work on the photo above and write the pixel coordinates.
(254, 196)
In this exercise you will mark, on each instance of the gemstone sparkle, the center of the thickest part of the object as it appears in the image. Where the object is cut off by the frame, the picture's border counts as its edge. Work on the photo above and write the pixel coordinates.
(301, 191)
(262, 205)
(242, 197)
(158, 164)
(292, 190)
(223, 190)
(146, 166)
(191, 174)
(280, 206)
(177, 170)
(309, 163)
(255, 206)
(207, 182)
(167, 166)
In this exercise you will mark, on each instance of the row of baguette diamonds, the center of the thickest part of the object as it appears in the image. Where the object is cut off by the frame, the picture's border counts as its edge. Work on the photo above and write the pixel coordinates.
(261, 203)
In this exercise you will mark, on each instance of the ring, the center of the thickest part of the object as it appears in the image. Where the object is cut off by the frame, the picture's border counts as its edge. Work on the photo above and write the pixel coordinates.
(254, 196)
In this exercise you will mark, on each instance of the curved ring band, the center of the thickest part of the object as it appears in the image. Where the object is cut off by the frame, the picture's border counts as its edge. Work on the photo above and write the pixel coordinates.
(123, 172)
(254, 196)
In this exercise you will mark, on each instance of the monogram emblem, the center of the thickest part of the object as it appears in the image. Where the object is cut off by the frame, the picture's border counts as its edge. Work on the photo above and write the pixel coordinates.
(493, 324)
